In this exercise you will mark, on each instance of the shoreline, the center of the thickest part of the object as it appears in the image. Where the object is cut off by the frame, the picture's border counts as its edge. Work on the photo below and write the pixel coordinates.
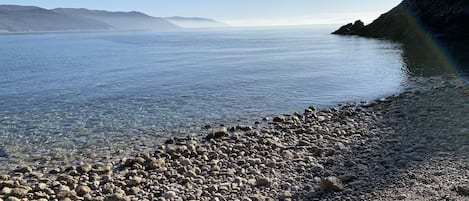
(408, 146)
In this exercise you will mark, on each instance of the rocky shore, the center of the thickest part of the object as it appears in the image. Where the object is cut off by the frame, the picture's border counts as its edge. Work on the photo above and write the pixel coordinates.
(411, 146)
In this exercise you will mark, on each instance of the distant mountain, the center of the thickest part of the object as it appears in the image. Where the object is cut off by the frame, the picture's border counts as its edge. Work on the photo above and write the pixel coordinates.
(195, 22)
(30, 18)
(34, 19)
(121, 20)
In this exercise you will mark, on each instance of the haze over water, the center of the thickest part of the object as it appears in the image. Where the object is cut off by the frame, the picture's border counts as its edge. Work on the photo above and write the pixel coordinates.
(70, 90)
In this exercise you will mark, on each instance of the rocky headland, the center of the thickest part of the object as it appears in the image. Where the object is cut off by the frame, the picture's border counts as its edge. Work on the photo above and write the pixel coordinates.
(410, 146)
(414, 20)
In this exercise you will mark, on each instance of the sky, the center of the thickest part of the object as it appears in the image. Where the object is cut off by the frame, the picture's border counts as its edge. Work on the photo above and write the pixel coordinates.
(238, 12)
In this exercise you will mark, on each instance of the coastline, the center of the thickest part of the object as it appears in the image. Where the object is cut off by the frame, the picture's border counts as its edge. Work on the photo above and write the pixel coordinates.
(408, 146)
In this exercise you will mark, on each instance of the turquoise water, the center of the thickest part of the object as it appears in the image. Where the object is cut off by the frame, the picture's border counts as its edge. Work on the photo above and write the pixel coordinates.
(70, 90)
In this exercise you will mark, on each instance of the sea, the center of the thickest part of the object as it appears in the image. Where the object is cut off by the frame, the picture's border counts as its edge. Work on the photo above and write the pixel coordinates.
(79, 92)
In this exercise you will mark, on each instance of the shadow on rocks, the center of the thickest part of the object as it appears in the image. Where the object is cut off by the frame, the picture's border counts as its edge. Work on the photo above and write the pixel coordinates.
(421, 152)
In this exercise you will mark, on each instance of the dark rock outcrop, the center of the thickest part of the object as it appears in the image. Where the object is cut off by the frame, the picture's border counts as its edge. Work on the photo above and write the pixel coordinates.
(414, 19)
(350, 29)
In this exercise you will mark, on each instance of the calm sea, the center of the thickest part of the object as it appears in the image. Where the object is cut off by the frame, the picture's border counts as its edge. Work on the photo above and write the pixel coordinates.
(72, 90)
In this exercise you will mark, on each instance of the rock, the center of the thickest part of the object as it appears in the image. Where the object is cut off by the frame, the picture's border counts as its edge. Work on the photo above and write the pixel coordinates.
(331, 184)
(251, 182)
(83, 169)
(303, 143)
(170, 140)
(4, 177)
(41, 186)
(222, 132)
(244, 128)
(40, 194)
(212, 189)
(347, 178)
(279, 119)
(19, 192)
(82, 190)
(102, 168)
(127, 162)
(191, 174)
(170, 195)
(134, 190)
(24, 169)
(139, 160)
(402, 197)
(155, 164)
(6, 191)
(287, 154)
(55, 171)
(263, 181)
(257, 197)
(316, 167)
(64, 192)
(8, 183)
(12, 199)
(117, 197)
(463, 190)
(135, 181)
(215, 168)
(108, 188)
(285, 195)
(185, 162)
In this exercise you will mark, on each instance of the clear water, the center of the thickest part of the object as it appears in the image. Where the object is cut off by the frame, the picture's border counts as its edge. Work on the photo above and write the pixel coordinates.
(88, 90)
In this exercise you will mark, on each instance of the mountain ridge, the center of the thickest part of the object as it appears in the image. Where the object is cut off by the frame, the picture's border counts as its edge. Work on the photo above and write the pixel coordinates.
(31, 18)
(195, 22)
(16, 18)
(132, 20)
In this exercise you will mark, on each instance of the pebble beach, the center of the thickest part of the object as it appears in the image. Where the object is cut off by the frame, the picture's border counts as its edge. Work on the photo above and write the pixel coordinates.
(409, 146)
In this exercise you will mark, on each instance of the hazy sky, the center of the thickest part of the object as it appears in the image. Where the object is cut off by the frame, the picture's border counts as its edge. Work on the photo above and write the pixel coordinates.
(239, 12)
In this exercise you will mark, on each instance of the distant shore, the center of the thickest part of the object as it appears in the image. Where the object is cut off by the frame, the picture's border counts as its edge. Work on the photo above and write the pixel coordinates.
(411, 146)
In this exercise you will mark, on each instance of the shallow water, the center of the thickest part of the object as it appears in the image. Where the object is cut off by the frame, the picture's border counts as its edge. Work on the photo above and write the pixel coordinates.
(81, 92)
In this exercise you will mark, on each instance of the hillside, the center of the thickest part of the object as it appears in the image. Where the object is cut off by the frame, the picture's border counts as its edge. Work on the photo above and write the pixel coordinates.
(34, 19)
(30, 18)
(412, 18)
(195, 22)
(121, 20)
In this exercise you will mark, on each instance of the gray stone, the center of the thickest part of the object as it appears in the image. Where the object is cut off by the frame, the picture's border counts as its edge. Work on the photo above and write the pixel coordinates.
(463, 190)
(82, 190)
(117, 197)
(185, 162)
(279, 119)
(6, 191)
(11, 198)
(19, 192)
(347, 178)
(170, 195)
(331, 184)
(285, 195)
(263, 181)
(222, 132)
(84, 168)
(24, 169)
